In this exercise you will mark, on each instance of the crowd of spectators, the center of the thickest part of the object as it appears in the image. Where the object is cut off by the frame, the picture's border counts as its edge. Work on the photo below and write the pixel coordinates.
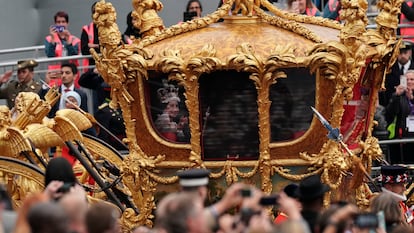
(242, 209)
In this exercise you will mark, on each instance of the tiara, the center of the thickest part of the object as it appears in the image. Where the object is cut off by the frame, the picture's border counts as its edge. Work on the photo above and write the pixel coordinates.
(168, 92)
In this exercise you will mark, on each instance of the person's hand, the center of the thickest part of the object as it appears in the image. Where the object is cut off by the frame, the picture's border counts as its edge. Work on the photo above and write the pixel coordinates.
(6, 76)
(66, 34)
(51, 75)
(344, 213)
(253, 202)
(229, 224)
(295, 7)
(409, 93)
(52, 31)
(51, 189)
(260, 223)
(91, 45)
(231, 198)
(290, 206)
(399, 90)
(78, 190)
(183, 122)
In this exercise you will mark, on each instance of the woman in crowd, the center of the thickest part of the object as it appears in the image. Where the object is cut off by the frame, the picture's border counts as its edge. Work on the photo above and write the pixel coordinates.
(195, 6)
(304, 7)
(130, 32)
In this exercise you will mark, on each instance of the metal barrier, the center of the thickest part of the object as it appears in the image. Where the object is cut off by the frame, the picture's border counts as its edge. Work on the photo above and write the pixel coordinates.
(395, 141)
(35, 49)
(23, 52)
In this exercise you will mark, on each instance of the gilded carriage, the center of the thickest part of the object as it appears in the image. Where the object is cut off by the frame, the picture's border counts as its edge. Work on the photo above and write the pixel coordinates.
(242, 86)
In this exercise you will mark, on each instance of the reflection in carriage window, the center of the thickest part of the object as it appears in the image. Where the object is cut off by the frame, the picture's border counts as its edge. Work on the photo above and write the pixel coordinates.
(290, 112)
(229, 119)
(168, 111)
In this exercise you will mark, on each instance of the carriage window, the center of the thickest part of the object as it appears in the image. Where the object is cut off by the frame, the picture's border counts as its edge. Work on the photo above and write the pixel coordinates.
(167, 107)
(290, 112)
(229, 118)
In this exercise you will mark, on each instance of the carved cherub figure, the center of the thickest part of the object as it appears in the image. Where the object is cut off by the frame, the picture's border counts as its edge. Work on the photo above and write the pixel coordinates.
(105, 19)
(146, 17)
(12, 141)
(246, 7)
(118, 64)
(5, 117)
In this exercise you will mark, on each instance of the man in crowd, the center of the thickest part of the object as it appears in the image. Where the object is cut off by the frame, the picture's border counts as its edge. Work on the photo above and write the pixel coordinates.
(181, 213)
(10, 88)
(69, 72)
(393, 179)
(195, 181)
(400, 67)
(61, 42)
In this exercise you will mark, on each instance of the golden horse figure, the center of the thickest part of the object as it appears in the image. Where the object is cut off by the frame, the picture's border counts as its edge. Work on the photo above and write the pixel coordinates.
(239, 97)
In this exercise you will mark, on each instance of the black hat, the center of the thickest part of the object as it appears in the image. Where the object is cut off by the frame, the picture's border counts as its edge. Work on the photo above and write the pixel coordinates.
(406, 45)
(291, 190)
(193, 177)
(59, 169)
(312, 188)
(26, 64)
(393, 174)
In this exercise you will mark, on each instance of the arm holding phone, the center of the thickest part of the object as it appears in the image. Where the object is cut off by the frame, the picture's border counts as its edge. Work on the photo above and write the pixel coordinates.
(404, 88)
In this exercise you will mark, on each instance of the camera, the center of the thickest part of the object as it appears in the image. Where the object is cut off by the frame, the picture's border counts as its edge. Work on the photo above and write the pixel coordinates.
(59, 28)
(189, 15)
(269, 200)
(65, 187)
(246, 193)
(366, 221)
(246, 214)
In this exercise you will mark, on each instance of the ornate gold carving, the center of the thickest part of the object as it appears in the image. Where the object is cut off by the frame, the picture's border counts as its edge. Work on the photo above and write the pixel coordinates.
(20, 179)
(29, 109)
(120, 66)
(383, 39)
(264, 74)
(146, 17)
(245, 6)
(291, 26)
(43, 137)
(187, 26)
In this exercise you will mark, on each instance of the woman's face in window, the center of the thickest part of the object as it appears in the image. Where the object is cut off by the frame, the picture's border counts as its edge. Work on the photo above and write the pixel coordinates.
(172, 108)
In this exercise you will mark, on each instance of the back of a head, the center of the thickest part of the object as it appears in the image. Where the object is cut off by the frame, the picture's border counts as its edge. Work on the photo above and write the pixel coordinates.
(75, 206)
(59, 169)
(312, 190)
(101, 217)
(22, 225)
(390, 205)
(174, 210)
(47, 217)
